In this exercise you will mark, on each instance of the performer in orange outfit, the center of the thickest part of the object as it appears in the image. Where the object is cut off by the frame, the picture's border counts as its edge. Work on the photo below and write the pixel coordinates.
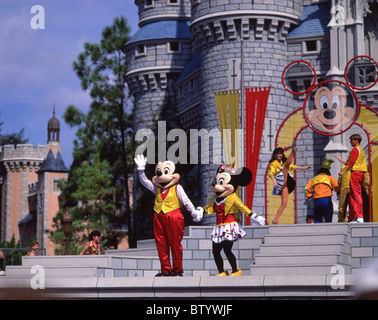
(358, 166)
(320, 188)
(168, 220)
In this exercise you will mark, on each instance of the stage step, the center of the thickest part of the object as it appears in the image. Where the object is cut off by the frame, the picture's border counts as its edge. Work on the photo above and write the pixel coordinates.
(304, 249)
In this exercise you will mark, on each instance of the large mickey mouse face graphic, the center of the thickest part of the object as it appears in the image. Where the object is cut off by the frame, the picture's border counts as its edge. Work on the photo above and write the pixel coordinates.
(331, 107)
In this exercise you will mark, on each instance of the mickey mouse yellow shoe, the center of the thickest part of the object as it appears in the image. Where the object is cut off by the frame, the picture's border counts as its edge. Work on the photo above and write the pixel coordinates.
(237, 273)
(222, 274)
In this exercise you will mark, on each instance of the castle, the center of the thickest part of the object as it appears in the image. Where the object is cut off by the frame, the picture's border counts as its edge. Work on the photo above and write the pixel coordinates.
(29, 188)
(186, 50)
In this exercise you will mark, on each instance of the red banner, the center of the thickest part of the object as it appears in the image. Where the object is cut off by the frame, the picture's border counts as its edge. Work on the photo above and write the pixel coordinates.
(256, 102)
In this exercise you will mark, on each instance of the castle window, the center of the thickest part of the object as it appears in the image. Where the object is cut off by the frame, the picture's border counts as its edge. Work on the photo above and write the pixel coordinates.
(195, 3)
(310, 46)
(174, 2)
(148, 3)
(174, 47)
(140, 50)
(56, 186)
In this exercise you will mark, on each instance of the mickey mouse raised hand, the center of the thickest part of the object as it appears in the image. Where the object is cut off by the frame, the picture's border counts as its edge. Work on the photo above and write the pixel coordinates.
(168, 221)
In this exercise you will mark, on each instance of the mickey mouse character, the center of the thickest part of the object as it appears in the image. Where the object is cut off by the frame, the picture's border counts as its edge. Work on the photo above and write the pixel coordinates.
(225, 203)
(168, 221)
(331, 111)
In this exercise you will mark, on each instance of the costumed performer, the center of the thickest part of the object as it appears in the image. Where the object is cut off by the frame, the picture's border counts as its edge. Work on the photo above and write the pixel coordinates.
(320, 188)
(225, 203)
(283, 182)
(343, 193)
(168, 220)
(359, 177)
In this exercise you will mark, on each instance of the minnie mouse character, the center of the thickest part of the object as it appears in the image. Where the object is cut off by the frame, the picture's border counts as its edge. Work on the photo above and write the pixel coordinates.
(225, 203)
(168, 221)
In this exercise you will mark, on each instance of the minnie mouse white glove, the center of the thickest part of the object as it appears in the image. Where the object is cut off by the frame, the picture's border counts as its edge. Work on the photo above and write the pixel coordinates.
(140, 161)
(258, 220)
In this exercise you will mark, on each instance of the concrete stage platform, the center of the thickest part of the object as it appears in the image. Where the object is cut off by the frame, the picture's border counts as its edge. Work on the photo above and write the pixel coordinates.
(279, 262)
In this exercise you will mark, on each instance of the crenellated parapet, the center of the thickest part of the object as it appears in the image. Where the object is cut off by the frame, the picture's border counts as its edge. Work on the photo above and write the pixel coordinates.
(213, 7)
(22, 158)
(154, 10)
(249, 25)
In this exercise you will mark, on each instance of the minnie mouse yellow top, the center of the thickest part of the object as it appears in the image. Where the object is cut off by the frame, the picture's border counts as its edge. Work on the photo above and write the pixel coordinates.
(232, 205)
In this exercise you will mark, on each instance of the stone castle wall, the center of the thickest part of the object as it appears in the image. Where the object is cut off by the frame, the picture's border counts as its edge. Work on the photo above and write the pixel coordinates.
(218, 28)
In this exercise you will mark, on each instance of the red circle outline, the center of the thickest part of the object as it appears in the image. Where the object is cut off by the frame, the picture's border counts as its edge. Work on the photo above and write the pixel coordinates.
(347, 66)
(287, 67)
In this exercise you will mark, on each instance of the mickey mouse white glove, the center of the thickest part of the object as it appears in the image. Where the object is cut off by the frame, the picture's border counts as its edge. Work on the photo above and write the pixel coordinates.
(258, 220)
(197, 214)
(140, 161)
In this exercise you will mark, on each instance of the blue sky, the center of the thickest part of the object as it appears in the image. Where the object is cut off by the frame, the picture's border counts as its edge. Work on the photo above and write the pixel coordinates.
(36, 64)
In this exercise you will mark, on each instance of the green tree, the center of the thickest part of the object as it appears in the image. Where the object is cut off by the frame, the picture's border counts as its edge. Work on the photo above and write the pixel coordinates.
(106, 129)
(90, 201)
(94, 190)
(12, 138)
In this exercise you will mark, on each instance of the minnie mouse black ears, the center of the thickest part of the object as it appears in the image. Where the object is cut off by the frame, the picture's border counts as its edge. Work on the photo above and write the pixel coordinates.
(243, 176)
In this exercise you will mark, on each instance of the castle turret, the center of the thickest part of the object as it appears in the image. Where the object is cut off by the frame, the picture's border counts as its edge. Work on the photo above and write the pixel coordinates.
(219, 29)
(155, 56)
(29, 188)
(53, 131)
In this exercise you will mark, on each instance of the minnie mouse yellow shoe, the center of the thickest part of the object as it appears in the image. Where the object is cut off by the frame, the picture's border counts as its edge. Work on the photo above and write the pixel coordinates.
(222, 274)
(237, 273)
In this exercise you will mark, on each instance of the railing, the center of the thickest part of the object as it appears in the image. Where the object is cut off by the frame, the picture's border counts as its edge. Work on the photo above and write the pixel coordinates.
(13, 256)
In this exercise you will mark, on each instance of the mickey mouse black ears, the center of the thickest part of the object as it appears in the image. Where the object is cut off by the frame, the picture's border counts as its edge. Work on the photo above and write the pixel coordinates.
(361, 73)
(298, 77)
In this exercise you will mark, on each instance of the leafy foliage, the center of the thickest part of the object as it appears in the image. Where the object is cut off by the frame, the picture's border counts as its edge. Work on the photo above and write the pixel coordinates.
(97, 185)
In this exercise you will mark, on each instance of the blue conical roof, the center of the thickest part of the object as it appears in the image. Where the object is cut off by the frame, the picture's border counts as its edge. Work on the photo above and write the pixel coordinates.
(52, 164)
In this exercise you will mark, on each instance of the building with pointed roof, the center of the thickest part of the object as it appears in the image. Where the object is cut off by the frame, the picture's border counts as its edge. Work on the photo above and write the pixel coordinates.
(29, 188)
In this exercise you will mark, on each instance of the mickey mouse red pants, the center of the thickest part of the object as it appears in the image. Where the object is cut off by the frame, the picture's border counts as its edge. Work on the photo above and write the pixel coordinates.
(168, 232)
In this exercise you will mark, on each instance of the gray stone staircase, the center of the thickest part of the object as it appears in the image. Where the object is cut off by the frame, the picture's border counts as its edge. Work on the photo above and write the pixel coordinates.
(266, 250)
(312, 249)
(143, 261)
(197, 254)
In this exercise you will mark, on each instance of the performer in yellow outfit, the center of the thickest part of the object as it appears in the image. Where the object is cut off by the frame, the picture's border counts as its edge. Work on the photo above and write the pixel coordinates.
(225, 203)
(168, 221)
(358, 166)
(283, 182)
(344, 189)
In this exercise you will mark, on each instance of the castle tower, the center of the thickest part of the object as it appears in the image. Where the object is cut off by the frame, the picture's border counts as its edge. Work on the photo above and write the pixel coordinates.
(18, 168)
(29, 188)
(155, 56)
(219, 28)
(51, 171)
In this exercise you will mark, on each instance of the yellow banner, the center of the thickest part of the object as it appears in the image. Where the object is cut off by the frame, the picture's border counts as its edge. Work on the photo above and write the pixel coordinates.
(228, 115)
